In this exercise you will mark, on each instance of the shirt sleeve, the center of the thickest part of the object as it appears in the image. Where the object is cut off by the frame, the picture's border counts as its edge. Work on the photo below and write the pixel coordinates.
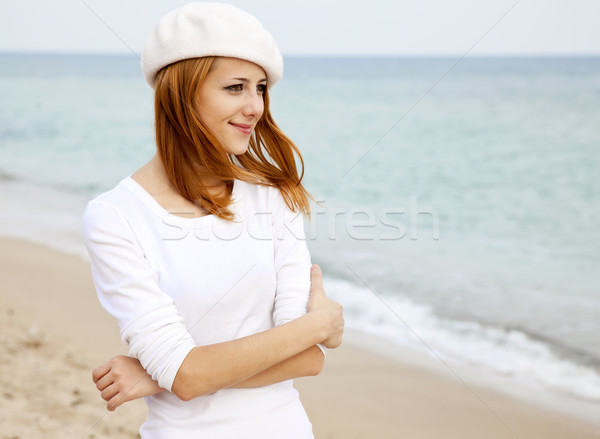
(128, 289)
(292, 263)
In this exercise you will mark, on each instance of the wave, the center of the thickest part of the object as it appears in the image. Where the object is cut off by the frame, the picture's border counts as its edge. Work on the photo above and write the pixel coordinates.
(506, 352)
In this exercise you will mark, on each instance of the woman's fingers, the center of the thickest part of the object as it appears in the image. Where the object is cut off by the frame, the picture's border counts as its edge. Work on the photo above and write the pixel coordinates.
(100, 371)
(123, 379)
(109, 393)
(337, 330)
(115, 402)
(335, 340)
(317, 293)
(104, 382)
(318, 300)
(316, 279)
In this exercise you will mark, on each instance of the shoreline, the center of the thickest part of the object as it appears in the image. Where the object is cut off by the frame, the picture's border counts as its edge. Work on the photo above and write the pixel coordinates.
(54, 332)
(475, 379)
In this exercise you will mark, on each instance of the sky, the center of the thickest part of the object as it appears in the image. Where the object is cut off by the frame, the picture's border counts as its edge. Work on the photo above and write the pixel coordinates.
(325, 27)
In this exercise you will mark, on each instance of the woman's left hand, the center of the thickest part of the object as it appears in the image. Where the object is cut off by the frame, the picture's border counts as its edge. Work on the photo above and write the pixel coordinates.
(123, 379)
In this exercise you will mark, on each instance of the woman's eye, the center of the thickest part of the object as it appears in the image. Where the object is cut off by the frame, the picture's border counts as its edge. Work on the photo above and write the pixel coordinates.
(235, 87)
(260, 88)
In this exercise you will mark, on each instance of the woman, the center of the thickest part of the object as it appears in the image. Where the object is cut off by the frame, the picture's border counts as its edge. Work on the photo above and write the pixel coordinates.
(200, 254)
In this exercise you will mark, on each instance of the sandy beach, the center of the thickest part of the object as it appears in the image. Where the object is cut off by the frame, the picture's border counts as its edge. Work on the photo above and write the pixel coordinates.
(53, 332)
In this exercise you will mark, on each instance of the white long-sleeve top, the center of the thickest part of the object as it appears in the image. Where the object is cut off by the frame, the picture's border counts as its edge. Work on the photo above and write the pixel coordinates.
(173, 283)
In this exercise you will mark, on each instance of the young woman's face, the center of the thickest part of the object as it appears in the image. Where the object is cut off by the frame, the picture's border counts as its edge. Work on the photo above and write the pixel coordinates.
(230, 101)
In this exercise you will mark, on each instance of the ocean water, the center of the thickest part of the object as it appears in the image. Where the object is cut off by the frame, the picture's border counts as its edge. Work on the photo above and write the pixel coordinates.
(460, 203)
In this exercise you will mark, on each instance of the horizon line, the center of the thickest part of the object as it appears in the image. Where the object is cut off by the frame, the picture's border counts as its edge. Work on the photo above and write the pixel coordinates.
(329, 55)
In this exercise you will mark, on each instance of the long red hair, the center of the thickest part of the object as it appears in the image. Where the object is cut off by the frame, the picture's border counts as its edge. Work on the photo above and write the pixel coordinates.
(189, 151)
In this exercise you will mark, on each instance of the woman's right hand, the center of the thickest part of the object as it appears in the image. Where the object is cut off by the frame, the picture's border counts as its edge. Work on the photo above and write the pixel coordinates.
(331, 311)
(123, 379)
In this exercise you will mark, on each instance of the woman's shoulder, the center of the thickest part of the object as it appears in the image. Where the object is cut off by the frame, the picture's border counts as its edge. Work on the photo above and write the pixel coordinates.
(118, 196)
(110, 205)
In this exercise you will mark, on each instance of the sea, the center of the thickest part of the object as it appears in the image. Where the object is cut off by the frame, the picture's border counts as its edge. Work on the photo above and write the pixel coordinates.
(457, 199)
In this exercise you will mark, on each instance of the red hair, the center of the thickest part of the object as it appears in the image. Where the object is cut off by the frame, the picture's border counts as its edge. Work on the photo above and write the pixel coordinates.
(189, 151)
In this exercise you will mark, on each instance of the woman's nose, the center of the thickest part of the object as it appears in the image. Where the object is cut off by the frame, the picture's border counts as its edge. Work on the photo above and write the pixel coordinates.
(254, 105)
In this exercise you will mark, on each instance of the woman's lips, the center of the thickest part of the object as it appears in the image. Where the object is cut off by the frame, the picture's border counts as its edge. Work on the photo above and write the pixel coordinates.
(243, 127)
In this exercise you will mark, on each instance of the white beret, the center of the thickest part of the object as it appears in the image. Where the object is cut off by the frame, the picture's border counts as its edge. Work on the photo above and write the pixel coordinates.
(210, 29)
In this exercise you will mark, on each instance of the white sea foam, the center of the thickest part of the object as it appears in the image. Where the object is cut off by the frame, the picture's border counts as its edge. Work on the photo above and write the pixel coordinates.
(506, 352)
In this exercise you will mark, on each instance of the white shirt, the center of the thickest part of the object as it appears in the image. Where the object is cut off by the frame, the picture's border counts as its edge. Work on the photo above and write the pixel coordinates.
(173, 283)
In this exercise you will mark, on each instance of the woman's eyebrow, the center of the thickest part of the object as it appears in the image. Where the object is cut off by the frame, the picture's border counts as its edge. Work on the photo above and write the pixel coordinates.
(247, 80)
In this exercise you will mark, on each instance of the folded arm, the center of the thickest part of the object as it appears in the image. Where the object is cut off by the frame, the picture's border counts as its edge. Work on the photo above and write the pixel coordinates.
(284, 352)
(123, 378)
(306, 363)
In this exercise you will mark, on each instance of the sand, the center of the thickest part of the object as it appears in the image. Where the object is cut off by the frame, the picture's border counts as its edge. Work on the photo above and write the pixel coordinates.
(53, 333)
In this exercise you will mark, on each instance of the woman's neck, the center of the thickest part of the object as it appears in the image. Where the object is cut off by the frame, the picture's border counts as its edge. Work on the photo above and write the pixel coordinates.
(154, 179)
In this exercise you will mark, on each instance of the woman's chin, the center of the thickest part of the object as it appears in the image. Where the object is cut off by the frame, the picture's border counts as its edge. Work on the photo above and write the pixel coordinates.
(238, 150)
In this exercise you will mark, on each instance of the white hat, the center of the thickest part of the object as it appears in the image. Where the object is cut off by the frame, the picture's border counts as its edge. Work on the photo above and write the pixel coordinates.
(210, 29)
